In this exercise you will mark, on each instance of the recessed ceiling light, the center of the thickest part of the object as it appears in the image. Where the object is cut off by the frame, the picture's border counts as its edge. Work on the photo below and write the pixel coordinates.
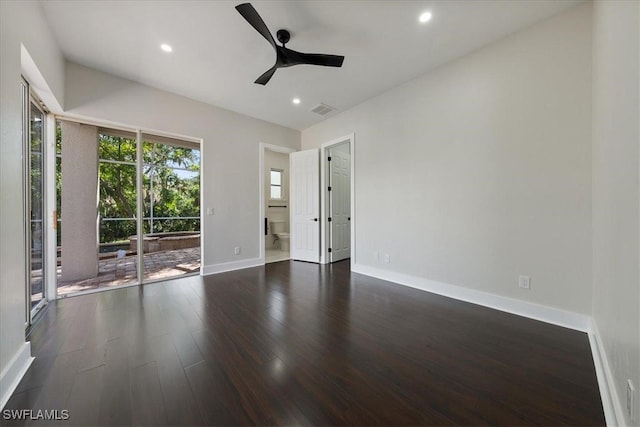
(166, 47)
(425, 17)
(296, 101)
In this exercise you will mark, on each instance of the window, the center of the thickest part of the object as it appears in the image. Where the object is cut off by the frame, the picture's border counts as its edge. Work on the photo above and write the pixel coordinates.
(171, 186)
(117, 204)
(276, 184)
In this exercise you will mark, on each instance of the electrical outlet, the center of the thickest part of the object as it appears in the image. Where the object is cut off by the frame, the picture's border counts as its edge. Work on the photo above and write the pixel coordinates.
(236, 250)
(524, 282)
(209, 211)
(631, 398)
(387, 258)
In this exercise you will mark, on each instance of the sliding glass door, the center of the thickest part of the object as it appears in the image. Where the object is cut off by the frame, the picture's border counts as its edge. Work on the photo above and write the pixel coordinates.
(145, 225)
(117, 207)
(171, 207)
(34, 185)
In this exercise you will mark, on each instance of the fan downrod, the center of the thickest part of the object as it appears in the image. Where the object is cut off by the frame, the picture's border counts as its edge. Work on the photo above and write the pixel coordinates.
(283, 36)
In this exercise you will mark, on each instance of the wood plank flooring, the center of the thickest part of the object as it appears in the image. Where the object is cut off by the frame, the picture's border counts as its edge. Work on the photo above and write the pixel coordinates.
(294, 343)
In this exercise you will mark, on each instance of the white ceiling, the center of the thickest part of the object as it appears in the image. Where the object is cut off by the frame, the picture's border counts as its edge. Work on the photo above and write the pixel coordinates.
(217, 55)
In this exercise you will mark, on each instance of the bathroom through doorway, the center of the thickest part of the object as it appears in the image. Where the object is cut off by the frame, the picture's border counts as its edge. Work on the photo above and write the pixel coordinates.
(274, 204)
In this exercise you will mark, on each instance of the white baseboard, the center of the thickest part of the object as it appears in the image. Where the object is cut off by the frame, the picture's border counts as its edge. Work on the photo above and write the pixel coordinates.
(230, 266)
(556, 316)
(13, 372)
(611, 403)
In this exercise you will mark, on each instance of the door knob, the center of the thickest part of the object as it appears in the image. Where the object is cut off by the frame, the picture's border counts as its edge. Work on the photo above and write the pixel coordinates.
(315, 219)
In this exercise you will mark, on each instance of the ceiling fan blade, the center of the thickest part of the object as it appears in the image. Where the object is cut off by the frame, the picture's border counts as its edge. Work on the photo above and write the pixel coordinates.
(251, 15)
(320, 59)
(263, 79)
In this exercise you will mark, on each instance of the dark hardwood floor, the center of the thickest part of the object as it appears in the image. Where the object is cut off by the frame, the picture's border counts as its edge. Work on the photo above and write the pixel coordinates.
(293, 343)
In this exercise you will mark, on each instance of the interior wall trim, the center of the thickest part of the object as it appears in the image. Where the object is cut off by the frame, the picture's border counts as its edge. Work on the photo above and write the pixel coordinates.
(13, 372)
(262, 148)
(230, 266)
(556, 316)
(611, 403)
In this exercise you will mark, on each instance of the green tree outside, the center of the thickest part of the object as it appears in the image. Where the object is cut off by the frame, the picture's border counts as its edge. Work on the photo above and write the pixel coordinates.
(170, 187)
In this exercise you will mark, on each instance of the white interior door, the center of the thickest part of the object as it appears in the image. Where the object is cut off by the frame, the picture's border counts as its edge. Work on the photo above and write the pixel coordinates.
(305, 205)
(339, 205)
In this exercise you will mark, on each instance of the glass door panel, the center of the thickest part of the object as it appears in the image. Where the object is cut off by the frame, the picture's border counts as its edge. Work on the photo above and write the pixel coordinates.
(97, 241)
(35, 186)
(117, 207)
(171, 208)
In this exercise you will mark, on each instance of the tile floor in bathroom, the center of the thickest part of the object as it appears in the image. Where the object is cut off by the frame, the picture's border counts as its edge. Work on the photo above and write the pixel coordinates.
(275, 255)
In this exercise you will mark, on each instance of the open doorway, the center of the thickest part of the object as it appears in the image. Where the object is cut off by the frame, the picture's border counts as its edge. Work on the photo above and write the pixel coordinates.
(128, 207)
(274, 203)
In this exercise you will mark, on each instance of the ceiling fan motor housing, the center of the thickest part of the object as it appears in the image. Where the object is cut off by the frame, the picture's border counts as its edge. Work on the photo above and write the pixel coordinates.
(283, 36)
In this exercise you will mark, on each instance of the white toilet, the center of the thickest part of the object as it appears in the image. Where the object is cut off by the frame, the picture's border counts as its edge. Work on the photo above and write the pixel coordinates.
(278, 227)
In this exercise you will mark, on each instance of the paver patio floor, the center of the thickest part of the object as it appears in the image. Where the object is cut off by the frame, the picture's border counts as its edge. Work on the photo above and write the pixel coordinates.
(114, 272)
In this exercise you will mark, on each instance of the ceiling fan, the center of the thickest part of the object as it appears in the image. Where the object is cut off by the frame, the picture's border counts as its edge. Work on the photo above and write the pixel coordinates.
(284, 57)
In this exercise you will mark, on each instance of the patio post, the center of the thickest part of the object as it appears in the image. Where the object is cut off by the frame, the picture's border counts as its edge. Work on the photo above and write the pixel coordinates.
(79, 216)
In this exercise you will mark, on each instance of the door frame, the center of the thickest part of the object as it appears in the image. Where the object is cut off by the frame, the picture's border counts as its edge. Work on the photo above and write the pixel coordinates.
(50, 206)
(29, 97)
(139, 133)
(262, 147)
(324, 205)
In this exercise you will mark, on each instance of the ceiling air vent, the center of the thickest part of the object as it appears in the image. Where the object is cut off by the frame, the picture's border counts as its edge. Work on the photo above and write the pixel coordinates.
(322, 109)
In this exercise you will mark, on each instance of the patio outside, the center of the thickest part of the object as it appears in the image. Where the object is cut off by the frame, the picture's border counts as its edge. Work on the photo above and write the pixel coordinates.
(118, 271)
(115, 272)
(170, 196)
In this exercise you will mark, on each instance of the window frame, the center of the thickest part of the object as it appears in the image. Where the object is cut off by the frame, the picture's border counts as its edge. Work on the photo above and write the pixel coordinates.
(281, 185)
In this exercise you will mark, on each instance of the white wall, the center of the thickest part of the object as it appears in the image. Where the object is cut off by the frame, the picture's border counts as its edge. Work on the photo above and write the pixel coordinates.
(22, 25)
(229, 154)
(276, 161)
(616, 191)
(481, 169)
